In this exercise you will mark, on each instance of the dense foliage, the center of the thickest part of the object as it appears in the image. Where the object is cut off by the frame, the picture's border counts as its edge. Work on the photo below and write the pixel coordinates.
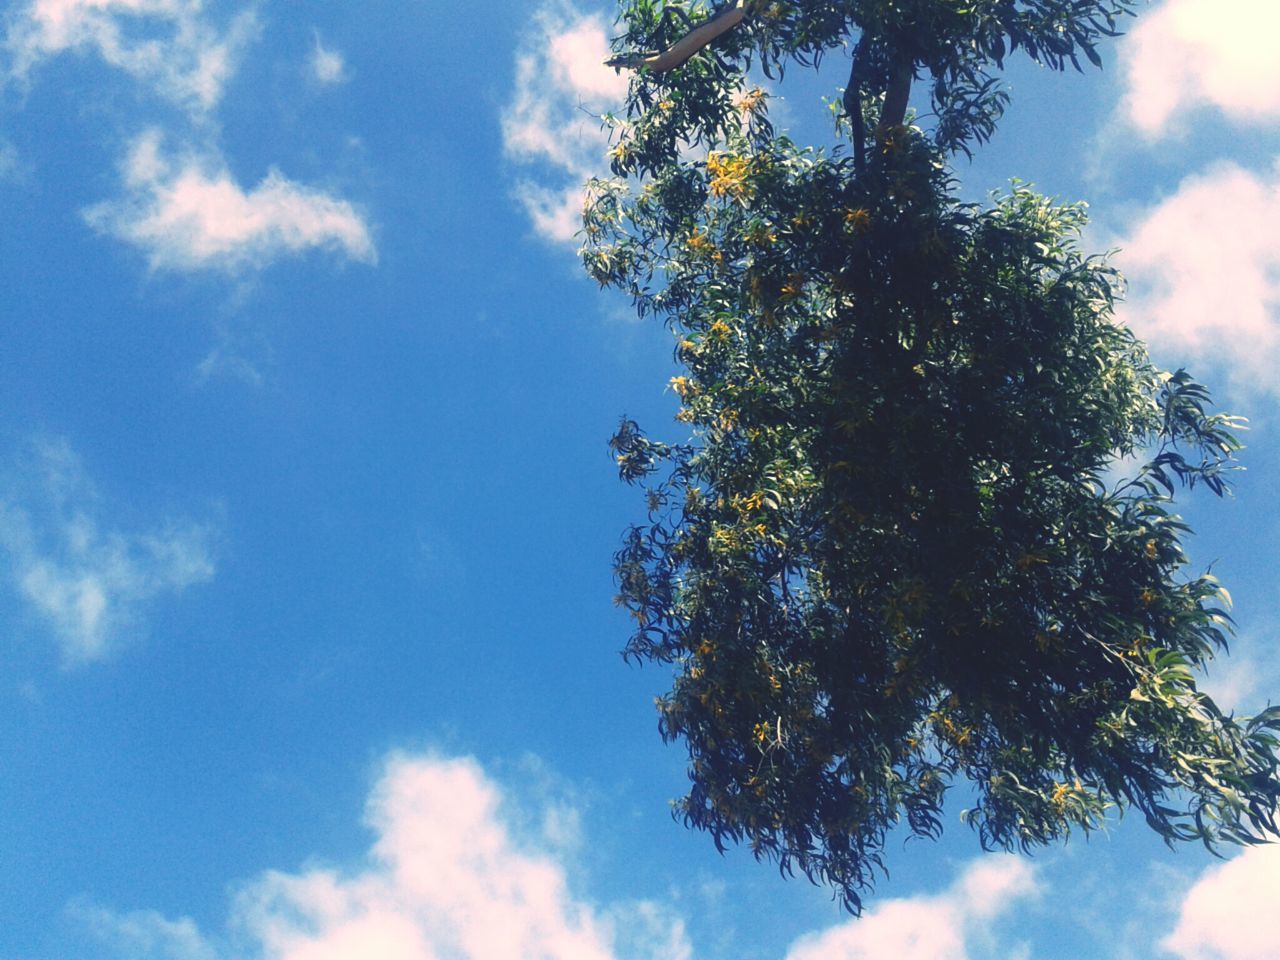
(897, 551)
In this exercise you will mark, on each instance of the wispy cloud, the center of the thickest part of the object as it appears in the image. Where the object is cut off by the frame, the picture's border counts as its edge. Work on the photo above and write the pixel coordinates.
(1248, 680)
(939, 927)
(449, 875)
(1204, 269)
(143, 935)
(1193, 53)
(10, 162)
(188, 213)
(170, 45)
(327, 66)
(551, 127)
(1230, 913)
(87, 580)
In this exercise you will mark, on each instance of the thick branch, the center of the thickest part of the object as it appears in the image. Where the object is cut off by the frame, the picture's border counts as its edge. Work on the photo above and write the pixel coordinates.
(852, 102)
(898, 94)
(679, 52)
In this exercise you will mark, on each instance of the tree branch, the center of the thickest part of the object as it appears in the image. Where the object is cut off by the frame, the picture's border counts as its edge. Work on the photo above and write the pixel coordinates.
(852, 102)
(899, 93)
(679, 52)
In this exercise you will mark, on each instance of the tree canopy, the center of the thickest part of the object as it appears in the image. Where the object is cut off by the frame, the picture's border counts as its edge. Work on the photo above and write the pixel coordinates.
(921, 533)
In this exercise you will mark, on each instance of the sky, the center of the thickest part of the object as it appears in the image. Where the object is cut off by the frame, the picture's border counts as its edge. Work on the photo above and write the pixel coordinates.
(306, 514)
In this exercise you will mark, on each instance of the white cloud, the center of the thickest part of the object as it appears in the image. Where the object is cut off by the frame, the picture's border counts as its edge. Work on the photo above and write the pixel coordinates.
(1189, 53)
(188, 213)
(327, 66)
(184, 208)
(447, 876)
(169, 45)
(927, 928)
(551, 126)
(86, 581)
(1204, 272)
(1230, 913)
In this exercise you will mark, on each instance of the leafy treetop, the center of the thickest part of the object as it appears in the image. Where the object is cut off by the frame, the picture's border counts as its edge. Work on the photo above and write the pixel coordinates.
(894, 555)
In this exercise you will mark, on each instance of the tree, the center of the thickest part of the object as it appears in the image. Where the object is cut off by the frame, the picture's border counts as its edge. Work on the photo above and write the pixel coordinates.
(894, 555)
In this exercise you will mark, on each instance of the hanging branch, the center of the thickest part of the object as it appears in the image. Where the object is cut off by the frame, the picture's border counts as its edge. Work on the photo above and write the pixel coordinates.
(721, 22)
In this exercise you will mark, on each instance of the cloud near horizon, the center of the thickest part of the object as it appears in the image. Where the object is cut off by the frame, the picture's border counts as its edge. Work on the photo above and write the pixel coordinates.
(1204, 274)
(1230, 913)
(463, 867)
(940, 927)
(85, 580)
(188, 213)
(1194, 53)
(169, 45)
(551, 127)
(448, 875)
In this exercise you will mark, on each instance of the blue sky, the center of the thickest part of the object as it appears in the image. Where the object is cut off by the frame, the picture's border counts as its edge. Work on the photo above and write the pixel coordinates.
(306, 515)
